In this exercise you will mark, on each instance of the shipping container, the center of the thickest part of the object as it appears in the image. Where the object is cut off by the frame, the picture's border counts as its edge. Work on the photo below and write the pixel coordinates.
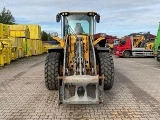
(35, 31)
(1, 30)
(13, 41)
(4, 52)
(27, 45)
(4, 30)
(13, 55)
(34, 47)
(20, 48)
(46, 47)
(19, 31)
(37, 47)
(14, 48)
(41, 46)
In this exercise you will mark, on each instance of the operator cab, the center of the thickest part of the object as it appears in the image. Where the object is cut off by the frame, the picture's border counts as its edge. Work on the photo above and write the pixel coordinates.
(122, 41)
(78, 22)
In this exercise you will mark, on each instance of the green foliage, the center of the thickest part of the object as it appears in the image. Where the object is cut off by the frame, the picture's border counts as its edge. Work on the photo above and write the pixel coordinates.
(49, 37)
(46, 36)
(6, 17)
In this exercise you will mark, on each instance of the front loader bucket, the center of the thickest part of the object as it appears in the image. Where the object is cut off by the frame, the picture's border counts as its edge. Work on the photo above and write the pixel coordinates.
(81, 89)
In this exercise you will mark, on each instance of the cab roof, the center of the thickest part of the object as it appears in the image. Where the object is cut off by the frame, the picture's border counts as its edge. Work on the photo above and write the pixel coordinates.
(88, 13)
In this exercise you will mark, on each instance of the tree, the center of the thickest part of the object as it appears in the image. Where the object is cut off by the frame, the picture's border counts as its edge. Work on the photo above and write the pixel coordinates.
(44, 36)
(50, 37)
(6, 17)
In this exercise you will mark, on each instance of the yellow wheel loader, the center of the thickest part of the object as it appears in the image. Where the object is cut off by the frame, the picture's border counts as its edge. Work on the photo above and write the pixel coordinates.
(81, 68)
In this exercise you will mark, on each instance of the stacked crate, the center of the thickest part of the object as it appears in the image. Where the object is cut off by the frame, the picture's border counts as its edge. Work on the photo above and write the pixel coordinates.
(17, 41)
(19, 35)
(35, 37)
(5, 50)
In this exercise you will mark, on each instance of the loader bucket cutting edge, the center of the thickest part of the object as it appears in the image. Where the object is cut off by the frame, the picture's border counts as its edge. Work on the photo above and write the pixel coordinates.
(76, 89)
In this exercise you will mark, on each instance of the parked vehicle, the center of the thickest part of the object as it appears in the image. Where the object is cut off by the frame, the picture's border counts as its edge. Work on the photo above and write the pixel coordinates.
(81, 69)
(115, 44)
(131, 45)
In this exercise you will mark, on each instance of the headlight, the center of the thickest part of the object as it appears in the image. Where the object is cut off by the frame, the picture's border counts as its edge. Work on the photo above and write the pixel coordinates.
(65, 13)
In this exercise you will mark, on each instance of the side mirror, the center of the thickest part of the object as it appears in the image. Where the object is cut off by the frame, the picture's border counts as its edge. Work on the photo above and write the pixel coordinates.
(58, 17)
(97, 17)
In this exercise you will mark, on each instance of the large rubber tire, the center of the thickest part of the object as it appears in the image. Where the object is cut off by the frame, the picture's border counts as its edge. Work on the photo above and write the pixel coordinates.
(126, 54)
(52, 64)
(158, 56)
(106, 68)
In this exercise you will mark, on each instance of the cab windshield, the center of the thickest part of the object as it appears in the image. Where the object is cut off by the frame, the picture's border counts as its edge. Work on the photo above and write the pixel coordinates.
(78, 24)
(122, 41)
(116, 42)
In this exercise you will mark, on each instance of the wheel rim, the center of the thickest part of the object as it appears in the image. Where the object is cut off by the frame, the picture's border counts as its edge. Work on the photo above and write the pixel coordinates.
(126, 54)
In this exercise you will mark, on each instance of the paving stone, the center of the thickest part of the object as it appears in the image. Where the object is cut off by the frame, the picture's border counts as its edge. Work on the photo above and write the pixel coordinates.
(134, 96)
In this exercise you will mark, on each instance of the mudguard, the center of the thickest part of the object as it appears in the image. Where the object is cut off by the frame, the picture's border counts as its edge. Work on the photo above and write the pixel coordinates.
(102, 49)
(57, 49)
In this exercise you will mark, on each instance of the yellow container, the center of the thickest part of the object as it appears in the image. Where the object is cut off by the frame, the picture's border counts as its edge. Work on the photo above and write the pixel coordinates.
(17, 48)
(4, 30)
(35, 31)
(34, 47)
(41, 47)
(1, 45)
(40, 51)
(27, 45)
(37, 47)
(14, 41)
(1, 30)
(4, 52)
(46, 47)
(13, 55)
(14, 48)
(20, 49)
(19, 31)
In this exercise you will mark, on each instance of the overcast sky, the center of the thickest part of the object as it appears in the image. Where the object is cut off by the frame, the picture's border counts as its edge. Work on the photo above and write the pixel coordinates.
(118, 17)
